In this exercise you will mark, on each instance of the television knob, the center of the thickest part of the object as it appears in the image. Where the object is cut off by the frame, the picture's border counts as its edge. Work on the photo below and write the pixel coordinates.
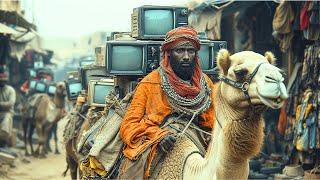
(184, 12)
(153, 66)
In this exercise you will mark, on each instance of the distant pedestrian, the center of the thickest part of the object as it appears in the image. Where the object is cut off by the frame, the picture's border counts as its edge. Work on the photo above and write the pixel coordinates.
(7, 101)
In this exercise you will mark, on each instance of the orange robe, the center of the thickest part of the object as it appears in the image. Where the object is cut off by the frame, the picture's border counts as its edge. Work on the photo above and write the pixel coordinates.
(140, 126)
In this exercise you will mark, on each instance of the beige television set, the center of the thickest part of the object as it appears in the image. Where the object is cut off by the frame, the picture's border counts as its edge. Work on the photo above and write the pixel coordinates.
(98, 90)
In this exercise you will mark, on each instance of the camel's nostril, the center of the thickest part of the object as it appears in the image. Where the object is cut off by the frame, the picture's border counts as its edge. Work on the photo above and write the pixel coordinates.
(270, 79)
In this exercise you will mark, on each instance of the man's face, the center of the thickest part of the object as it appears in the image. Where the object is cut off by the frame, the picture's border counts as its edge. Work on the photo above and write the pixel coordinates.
(182, 60)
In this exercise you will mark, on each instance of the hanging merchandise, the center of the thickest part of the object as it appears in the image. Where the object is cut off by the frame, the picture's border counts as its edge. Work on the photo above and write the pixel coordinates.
(306, 125)
(302, 109)
(310, 22)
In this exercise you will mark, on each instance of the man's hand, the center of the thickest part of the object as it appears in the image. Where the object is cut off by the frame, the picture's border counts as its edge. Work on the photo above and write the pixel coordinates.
(166, 144)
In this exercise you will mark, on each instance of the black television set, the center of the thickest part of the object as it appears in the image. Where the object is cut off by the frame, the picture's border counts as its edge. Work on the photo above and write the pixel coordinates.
(41, 87)
(38, 64)
(32, 84)
(153, 22)
(91, 73)
(73, 87)
(73, 75)
(98, 90)
(132, 57)
(207, 54)
(31, 73)
(51, 90)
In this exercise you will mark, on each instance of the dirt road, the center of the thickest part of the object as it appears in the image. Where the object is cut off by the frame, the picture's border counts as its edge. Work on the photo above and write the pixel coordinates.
(50, 168)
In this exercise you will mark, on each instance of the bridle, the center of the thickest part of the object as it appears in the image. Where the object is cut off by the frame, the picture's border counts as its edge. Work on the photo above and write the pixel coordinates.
(243, 86)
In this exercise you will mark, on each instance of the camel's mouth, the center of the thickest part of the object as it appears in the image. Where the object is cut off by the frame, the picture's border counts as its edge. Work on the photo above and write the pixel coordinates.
(272, 102)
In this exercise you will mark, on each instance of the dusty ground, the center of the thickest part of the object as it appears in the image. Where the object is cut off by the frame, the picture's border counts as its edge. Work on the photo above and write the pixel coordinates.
(49, 168)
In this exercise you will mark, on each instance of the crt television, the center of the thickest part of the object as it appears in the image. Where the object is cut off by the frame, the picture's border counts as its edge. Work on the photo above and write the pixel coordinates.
(73, 87)
(40, 87)
(132, 57)
(32, 84)
(207, 54)
(38, 64)
(98, 90)
(31, 73)
(88, 73)
(153, 22)
(51, 89)
(73, 75)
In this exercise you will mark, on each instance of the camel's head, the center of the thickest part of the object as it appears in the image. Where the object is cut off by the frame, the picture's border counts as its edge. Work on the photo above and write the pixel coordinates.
(61, 89)
(266, 87)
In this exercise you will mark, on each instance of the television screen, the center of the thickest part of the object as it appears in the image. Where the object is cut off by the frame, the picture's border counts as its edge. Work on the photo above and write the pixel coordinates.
(132, 57)
(126, 58)
(100, 92)
(204, 55)
(40, 86)
(32, 84)
(158, 22)
(32, 73)
(38, 64)
(52, 89)
(74, 88)
(153, 22)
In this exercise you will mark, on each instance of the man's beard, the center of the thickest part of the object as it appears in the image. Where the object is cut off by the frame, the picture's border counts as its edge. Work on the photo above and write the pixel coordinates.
(184, 73)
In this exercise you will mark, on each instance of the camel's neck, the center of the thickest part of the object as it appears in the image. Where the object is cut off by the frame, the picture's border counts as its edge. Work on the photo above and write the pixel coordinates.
(225, 111)
(59, 101)
(233, 143)
(239, 139)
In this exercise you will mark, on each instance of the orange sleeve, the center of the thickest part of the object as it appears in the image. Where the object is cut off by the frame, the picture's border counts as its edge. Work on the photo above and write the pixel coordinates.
(137, 131)
(25, 86)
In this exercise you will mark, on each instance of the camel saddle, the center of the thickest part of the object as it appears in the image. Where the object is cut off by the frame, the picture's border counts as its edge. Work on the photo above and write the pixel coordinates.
(102, 141)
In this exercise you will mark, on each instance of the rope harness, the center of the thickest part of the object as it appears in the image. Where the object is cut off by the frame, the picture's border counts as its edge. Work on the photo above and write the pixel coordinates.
(243, 86)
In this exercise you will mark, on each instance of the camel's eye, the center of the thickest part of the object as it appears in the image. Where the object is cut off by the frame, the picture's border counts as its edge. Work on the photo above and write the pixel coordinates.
(240, 73)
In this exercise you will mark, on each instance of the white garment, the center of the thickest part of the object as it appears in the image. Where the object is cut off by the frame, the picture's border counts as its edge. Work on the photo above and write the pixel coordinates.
(7, 101)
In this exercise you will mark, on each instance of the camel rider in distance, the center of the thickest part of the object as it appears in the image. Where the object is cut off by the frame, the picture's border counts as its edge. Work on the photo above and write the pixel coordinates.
(178, 89)
(7, 101)
(32, 100)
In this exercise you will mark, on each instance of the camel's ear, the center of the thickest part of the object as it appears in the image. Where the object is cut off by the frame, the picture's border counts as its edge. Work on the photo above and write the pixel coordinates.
(223, 61)
(270, 57)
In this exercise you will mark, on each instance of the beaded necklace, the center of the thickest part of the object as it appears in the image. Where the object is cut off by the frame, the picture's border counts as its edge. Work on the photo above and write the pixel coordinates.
(185, 106)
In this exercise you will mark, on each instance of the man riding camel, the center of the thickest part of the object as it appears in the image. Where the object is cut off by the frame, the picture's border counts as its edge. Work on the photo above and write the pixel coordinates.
(178, 88)
(7, 101)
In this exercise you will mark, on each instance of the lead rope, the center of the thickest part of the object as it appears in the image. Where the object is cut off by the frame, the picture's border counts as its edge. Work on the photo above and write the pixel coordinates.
(190, 121)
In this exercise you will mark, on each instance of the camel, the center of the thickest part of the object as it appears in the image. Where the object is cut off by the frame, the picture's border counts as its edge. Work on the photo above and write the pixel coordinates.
(70, 144)
(83, 125)
(46, 113)
(238, 132)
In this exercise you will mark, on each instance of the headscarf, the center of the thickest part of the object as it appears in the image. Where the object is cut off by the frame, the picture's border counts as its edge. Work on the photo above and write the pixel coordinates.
(174, 38)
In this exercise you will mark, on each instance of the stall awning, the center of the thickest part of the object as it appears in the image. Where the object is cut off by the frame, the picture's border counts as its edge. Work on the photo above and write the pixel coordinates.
(4, 29)
(12, 17)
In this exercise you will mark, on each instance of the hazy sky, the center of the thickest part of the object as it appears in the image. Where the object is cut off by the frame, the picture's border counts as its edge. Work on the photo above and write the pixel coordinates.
(74, 18)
